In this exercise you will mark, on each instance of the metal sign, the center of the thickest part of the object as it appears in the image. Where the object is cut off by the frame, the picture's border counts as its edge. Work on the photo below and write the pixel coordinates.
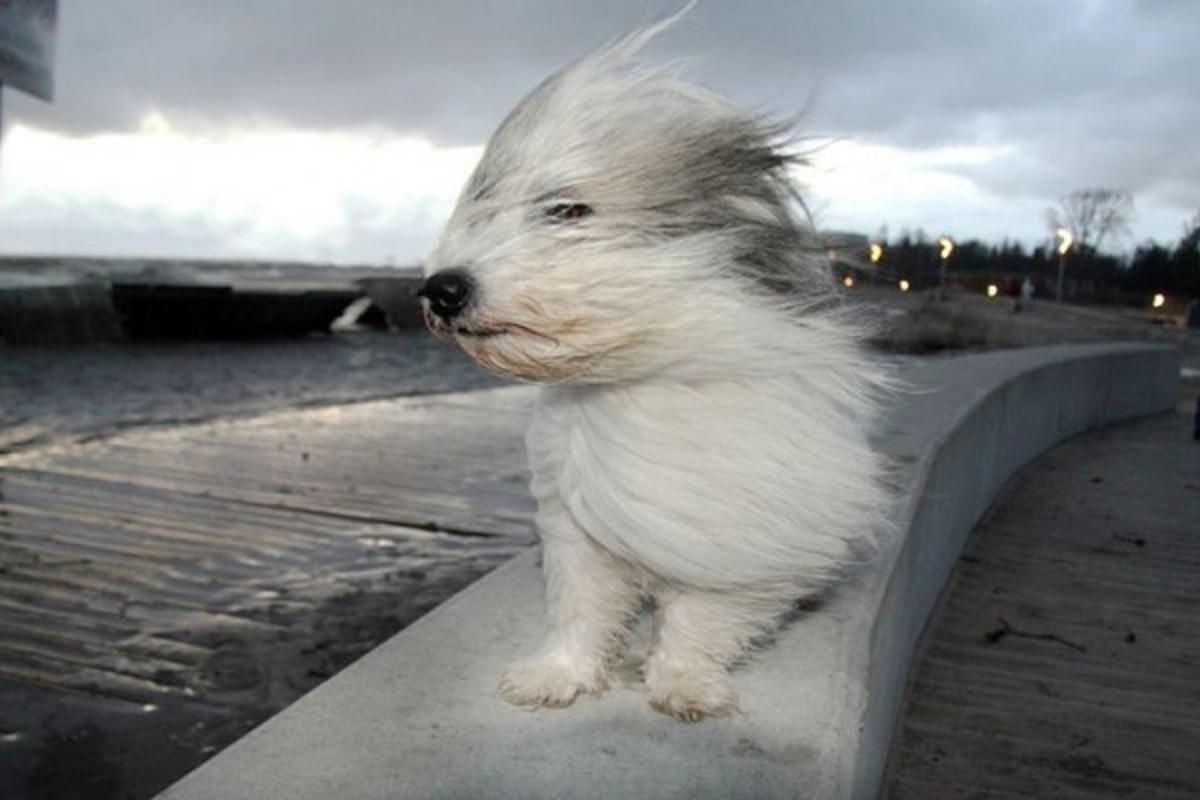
(27, 45)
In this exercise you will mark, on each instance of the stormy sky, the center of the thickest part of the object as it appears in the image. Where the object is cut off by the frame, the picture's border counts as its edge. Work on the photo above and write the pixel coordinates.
(341, 132)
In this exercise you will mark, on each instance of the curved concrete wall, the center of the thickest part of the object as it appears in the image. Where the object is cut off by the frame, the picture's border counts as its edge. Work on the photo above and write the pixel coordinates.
(989, 416)
(419, 716)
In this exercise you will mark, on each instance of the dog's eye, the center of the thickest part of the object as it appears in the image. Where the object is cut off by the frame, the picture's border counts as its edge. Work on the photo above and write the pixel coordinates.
(567, 212)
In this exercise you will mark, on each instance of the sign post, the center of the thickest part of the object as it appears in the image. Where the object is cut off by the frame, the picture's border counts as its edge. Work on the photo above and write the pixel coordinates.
(27, 46)
(945, 248)
(1065, 240)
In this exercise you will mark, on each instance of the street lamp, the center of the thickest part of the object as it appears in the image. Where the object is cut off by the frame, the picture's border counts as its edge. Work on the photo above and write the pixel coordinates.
(876, 252)
(1065, 240)
(946, 245)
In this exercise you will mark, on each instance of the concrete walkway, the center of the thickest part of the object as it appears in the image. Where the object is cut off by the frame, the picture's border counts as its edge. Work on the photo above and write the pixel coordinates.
(1065, 661)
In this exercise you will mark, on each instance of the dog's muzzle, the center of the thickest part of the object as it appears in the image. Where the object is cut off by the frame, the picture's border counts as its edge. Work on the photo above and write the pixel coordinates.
(448, 293)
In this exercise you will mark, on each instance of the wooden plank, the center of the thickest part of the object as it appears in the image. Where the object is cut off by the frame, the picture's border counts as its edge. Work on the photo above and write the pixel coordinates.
(1065, 661)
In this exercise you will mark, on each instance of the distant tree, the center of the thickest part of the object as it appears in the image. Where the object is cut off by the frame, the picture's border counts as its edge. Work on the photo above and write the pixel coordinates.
(1092, 215)
(1010, 258)
(1149, 270)
(1186, 258)
(972, 256)
(1190, 241)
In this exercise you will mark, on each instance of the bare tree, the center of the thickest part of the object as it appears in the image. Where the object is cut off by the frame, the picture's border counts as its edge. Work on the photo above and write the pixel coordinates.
(1191, 228)
(1092, 215)
(1189, 243)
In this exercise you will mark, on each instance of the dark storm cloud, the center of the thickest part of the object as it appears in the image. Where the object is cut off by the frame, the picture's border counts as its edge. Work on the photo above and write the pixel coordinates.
(446, 69)
(1079, 93)
(458, 64)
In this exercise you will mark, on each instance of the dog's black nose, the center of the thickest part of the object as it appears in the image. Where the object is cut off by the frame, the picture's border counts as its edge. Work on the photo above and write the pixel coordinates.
(447, 292)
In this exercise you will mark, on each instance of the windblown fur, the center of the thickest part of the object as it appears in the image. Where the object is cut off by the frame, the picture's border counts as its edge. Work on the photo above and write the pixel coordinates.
(634, 244)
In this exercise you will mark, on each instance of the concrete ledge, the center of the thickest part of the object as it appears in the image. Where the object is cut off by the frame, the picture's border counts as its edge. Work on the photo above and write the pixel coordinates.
(419, 716)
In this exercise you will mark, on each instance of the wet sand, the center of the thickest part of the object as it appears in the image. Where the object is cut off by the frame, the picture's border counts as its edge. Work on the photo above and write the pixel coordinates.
(165, 590)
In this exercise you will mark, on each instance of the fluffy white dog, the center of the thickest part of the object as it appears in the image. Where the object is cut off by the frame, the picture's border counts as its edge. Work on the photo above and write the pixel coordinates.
(632, 243)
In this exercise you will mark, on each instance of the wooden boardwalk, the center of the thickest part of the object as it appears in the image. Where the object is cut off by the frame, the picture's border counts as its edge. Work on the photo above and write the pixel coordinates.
(1066, 659)
(158, 563)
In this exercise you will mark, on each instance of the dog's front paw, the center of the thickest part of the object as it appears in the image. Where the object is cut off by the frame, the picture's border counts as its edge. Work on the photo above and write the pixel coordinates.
(690, 696)
(549, 682)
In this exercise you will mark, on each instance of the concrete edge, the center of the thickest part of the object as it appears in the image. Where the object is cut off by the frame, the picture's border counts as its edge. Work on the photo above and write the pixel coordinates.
(959, 469)
(822, 704)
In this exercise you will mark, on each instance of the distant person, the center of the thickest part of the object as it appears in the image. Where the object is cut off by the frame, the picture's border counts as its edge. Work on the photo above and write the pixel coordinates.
(1027, 289)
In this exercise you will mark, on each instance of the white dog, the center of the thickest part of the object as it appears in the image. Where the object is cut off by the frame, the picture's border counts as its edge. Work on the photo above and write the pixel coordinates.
(632, 243)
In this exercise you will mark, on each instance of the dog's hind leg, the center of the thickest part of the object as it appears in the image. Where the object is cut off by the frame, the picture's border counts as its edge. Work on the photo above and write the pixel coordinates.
(698, 637)
(591, 597)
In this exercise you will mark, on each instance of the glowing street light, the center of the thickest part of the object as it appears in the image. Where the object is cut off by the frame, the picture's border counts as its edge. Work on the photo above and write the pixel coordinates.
(1065, 240)
(993, 290)
(947, 245)
(848, 282)
(1159, 300)
(876, 252)
(905, 285)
